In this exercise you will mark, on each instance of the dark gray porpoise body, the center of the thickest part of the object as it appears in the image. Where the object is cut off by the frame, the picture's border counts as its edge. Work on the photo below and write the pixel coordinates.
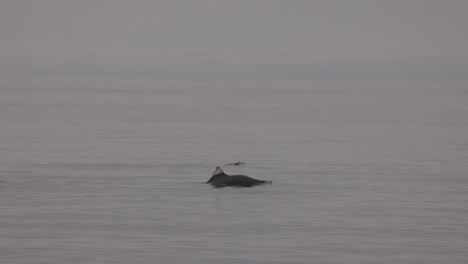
(221, 179)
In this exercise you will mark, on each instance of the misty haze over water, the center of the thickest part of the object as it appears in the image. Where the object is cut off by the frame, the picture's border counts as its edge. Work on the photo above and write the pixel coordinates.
(114, 114)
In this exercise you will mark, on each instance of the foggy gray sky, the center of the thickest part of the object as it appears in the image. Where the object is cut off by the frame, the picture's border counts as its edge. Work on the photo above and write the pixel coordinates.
(417, 40)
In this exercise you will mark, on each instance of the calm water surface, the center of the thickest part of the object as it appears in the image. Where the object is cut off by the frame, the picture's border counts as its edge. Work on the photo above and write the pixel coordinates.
(360, 175)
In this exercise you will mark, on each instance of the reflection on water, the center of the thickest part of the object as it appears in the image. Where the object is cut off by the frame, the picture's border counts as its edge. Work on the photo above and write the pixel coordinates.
(360, 176)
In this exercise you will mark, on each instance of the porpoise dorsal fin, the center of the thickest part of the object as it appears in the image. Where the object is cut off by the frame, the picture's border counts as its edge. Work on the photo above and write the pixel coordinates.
(218, 171)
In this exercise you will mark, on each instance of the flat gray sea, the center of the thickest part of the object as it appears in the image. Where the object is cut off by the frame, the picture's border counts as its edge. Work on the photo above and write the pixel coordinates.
(372, 174)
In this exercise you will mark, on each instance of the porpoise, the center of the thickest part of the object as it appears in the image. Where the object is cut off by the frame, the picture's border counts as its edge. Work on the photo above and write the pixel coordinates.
(221, 179)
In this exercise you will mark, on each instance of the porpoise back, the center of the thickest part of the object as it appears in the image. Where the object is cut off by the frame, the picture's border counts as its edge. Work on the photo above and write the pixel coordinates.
(221, 179)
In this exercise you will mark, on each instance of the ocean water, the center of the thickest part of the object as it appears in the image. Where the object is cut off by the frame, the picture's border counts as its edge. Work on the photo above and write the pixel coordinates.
(361, 174)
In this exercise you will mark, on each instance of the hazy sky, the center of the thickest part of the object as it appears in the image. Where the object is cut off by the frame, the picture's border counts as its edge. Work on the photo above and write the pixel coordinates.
(417, 40)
